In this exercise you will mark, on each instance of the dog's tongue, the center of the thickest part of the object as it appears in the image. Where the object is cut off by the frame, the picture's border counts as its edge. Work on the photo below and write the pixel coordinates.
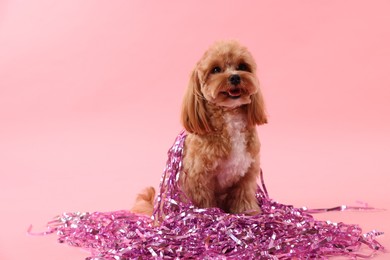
(234, 92)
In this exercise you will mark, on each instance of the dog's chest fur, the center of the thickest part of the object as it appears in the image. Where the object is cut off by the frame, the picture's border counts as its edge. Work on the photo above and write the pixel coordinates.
(234, 167)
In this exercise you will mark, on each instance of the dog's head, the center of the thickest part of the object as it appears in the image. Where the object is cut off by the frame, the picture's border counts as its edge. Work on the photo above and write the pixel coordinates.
(226, 77)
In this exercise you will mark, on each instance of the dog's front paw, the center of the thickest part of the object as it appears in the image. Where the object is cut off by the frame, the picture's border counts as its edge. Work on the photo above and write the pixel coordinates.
(253, 212)
(245, 207)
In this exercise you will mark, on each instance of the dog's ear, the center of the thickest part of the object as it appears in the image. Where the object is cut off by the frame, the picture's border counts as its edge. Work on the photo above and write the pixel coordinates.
(256, 110)
(193, 114)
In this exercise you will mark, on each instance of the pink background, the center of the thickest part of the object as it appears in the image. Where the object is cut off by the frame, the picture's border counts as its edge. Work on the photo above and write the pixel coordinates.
(90, 93)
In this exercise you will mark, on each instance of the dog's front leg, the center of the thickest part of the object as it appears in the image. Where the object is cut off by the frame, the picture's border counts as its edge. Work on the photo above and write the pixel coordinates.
(242, 196)
(198, 188)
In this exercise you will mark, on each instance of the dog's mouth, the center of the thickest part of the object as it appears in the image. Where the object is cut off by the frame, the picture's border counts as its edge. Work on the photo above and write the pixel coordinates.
(233, 93)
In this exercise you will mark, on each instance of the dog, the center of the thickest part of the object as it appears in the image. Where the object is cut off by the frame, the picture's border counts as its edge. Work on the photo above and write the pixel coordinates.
(221, 108)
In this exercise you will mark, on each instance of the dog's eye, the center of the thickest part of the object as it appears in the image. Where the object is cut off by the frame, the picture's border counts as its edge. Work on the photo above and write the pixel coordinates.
(216, 69)
(243, 67)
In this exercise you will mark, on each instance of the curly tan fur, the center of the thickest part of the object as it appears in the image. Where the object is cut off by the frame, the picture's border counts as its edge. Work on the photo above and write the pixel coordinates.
(144, 202)
(221, 152)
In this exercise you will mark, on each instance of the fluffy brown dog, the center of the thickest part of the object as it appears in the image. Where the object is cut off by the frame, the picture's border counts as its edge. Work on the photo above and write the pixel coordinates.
(221, 108)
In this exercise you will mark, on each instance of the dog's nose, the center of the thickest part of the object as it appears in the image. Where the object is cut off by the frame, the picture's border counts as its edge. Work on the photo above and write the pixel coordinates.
(235, 79)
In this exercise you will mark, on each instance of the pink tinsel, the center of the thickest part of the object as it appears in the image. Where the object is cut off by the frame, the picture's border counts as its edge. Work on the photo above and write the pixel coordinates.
(177, 229)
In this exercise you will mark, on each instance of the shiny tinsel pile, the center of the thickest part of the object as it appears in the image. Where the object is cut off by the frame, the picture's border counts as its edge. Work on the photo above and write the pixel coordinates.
(177, 229)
